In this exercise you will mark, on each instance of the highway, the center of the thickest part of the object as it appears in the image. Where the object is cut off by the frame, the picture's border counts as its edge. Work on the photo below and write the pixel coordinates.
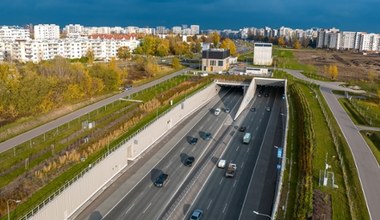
(226, 198)
(146, 201)
(19, 139)
(142, 200)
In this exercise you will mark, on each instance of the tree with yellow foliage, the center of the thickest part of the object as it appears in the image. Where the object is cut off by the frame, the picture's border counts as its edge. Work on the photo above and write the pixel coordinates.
(333, 71)
(229, 44)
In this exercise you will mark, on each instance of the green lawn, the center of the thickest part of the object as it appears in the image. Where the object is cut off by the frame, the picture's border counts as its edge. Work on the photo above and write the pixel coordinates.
(323, 148)
(355, 116)
(373, 140)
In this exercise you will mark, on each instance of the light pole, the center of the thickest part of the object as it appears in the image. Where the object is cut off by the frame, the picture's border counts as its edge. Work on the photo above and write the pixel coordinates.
(265, 215)
(11, 200)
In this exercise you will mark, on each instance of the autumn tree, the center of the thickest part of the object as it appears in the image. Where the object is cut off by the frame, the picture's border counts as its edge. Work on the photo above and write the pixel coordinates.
(229, 44)
(90, 56)
(175, 63)
(124, 53)
(215, 39)
(333, 71)
(281, 42)
(162, 48)
(297, 44)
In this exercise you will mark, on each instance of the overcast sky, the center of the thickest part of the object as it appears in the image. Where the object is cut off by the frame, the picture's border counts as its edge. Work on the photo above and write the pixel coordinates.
(350, 15)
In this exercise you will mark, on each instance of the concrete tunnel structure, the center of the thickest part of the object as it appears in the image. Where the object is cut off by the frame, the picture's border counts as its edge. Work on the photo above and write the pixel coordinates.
(250, 89)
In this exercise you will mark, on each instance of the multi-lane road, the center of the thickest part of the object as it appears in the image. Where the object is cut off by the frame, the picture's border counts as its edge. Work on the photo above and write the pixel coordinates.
(203, 184)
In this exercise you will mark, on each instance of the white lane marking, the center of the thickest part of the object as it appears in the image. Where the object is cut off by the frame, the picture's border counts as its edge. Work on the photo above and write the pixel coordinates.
(130, 208)
(248, 150)
(234, 184)
(257, 128)
(221, 180)
(237, 148)
(260, 119)
(209, 204)
(147, 207)
(225, 207)
(242, 164)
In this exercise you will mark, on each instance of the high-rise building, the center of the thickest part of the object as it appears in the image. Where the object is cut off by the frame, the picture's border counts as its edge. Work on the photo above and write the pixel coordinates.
(46, 31)
(14, 33)
(194, 29)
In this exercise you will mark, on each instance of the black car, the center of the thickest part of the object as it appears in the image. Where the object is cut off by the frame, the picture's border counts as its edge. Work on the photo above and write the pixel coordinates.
(242, 128)
(227, 110)
(161, 179)
(253, 109)
(207, 136)
(189, 161)
(193, 140)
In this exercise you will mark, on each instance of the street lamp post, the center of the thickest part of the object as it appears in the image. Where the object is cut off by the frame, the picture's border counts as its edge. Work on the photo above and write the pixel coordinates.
(265, 215)
(11, 200)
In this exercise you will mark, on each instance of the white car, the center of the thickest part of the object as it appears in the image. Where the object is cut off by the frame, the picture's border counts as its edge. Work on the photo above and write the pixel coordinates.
(222, 163)
(217, 111)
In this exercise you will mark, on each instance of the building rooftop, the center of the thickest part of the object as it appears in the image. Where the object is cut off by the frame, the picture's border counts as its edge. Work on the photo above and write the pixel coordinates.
(215, 54)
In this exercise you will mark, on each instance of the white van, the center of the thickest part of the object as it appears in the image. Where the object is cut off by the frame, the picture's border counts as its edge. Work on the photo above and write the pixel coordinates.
(222, 163)
(217, 111)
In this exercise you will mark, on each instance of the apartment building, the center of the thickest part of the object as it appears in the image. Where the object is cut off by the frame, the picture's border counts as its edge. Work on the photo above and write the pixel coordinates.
(262, 54)
(14, 33)
(72, 48)
(46, 31)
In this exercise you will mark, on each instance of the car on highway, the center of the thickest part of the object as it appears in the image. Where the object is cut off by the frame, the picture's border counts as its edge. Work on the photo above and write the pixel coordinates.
(267, 109)
(217, 111)
(266, 94)
(242, 128)
(160, 180)
(189, 161)
(193, 140)
(253, 109)
(259, 95)
(222, 163)
(227, 110)
(196, 215)
(206, 136)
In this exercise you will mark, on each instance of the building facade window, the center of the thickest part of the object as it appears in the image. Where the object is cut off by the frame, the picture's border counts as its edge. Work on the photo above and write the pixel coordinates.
(212, 62)
(220, 63)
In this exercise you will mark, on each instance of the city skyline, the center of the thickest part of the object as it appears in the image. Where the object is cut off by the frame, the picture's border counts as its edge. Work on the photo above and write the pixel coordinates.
(226, 14)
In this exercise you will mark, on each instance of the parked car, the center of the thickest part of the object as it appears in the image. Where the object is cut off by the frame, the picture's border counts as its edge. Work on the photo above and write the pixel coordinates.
(242, 128)
(193, 140)
(189, 161)
(161, 179)
(196, 215)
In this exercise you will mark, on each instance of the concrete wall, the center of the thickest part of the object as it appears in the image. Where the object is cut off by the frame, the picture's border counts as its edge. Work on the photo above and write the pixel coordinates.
(248, 96)
(97, 178)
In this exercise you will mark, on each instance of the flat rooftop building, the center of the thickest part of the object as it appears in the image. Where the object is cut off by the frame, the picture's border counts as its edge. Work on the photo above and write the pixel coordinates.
(262, 54)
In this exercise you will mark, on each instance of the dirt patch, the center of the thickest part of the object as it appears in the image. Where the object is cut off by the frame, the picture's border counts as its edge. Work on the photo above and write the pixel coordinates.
(351, 66)
(321, 206)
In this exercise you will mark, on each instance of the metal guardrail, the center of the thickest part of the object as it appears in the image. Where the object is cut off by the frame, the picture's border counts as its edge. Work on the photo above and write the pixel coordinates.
(105, 155)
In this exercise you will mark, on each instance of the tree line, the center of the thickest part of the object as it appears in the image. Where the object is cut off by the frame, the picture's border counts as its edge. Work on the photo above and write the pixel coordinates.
(29, 89)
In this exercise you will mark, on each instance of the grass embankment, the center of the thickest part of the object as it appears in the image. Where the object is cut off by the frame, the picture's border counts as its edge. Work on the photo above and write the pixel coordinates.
(246, 57)
(164, 88)
(373, 140)
(284, 58)
(309, 142)
(355, 116)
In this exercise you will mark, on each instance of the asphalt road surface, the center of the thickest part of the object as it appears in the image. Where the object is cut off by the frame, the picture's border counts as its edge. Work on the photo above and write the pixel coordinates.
(253, 187)
(19, 139)
(142, 200)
